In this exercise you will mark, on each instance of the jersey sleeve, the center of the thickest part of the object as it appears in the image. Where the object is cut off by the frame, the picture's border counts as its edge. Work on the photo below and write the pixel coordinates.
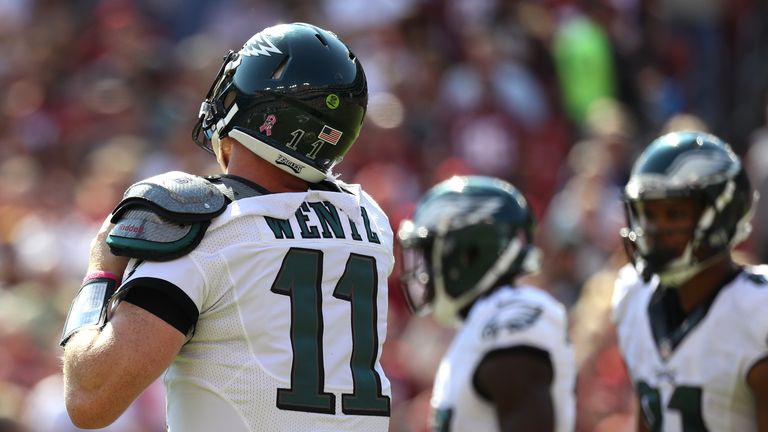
(182, 272)
(174, 291)
(754, 302)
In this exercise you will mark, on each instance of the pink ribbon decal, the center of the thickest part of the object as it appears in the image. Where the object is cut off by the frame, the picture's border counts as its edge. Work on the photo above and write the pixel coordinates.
(266, 128)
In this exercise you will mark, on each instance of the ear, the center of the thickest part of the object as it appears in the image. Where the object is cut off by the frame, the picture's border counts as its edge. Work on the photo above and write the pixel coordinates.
(225, 151)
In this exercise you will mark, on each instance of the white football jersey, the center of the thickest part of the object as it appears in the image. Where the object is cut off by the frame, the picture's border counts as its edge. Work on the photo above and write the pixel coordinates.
(695, 377)
(509, 317)
(291, 290)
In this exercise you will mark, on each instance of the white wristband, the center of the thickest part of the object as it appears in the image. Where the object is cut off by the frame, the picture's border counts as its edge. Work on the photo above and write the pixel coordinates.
(89, 308)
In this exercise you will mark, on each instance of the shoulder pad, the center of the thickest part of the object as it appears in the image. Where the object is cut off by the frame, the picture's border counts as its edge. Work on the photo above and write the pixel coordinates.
(164, 217)
(628, 284)
(175, 195)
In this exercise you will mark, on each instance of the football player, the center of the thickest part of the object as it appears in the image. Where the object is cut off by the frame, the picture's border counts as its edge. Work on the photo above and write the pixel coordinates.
(691, 322)
(510, 367)
(261, 293)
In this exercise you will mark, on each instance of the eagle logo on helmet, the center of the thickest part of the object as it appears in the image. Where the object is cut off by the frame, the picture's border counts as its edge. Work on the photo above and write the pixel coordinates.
(259, 45)
(464, 210)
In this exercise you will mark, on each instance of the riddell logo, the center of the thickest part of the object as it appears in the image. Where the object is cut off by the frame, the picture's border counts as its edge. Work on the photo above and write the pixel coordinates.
(138, 229)
(282, 160)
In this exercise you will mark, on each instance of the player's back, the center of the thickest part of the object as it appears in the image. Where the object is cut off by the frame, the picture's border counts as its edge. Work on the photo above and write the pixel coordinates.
(694, 377)
(292, 294)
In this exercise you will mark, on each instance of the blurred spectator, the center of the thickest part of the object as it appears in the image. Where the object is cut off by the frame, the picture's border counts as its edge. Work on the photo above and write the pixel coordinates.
(582, 49)
(597, 169)
(8, 425)
(756, 161)
(694, 43)
(605, 398)
(45, 411)
(682, 122)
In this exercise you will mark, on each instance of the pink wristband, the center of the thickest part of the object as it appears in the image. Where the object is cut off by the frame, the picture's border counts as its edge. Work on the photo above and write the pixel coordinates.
(101, 274)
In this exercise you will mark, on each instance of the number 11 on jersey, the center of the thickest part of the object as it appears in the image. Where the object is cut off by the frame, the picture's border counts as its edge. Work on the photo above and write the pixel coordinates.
(300, 277)
(685, 399)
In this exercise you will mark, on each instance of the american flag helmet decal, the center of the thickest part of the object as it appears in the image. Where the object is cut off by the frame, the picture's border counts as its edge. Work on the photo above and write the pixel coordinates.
(330, 135)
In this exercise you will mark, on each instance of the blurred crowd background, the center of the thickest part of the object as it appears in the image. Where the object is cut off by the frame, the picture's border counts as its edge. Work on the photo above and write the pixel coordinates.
(556, 96)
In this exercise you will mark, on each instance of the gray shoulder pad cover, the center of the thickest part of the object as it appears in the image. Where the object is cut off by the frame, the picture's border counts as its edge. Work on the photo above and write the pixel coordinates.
(164, 217)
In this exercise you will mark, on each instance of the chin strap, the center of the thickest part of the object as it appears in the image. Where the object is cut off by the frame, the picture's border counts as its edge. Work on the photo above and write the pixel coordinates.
(677, 276)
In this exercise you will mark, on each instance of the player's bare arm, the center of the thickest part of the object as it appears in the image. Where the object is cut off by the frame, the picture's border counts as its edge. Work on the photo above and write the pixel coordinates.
(106, 369)
(757, 378)
(518, 382)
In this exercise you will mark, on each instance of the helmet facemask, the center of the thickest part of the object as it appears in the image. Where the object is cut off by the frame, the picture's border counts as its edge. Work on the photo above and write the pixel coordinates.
(722, 223)
(460, 246)
(215, 111)
(415, 274)
(516, 257)
(650, 253)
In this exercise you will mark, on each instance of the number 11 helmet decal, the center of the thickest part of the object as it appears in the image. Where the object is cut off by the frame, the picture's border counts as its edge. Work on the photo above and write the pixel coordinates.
(294, 94)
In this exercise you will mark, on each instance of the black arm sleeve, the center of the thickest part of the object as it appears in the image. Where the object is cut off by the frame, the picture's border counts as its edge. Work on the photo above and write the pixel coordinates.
(164, 300)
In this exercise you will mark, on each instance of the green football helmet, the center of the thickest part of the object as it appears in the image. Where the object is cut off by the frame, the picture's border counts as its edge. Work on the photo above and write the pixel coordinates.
(467, 236)
(294, 94)
(687, 165)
